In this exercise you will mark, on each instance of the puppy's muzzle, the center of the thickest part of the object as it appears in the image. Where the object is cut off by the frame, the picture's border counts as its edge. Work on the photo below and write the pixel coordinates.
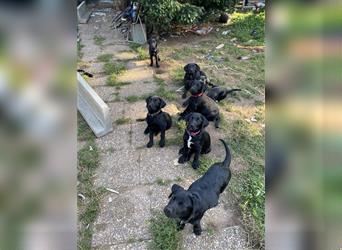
(168, 212)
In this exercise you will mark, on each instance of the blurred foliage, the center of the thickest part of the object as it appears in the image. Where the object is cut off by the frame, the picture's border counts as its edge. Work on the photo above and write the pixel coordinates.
(248, 26)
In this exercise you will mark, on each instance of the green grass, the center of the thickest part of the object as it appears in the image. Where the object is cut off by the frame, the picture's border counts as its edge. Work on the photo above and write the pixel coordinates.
(98, 40)
(114, 68)
(244, 23)
(140, 50)
(164, 233)
(248, 186)
(112, 80)
(88, 209)
(133, 98)
(80, 46)
(177, 76)
(123, 120)
(84, 133)
(162, 182)
(205, 164)
(105, 57)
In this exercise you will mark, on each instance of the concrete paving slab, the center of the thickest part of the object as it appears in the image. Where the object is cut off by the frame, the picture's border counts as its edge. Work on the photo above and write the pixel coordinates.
(116, 141)
(136, 88)
(106, 92)
(124, 219)
(229, 238)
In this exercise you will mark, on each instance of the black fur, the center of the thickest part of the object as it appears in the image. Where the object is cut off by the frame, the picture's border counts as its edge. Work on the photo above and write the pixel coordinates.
(218, 93)
(193, 72)
(200, 139)
(190, 205)
(153, 50)
(201, 104)
(157, 120)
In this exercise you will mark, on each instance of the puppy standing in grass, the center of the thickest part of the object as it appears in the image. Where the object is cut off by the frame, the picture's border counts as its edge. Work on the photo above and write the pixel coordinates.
(190, 205)
(196, 139)
(153, 50)
(157, 120)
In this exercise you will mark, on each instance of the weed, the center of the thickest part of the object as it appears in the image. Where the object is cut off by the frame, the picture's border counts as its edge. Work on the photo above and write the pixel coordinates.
(84, 133)
(105, 57)
(123, 120)
(98, 40)
(164, 233)
(133, 98)
(162, 182)
(166, 94)
(211, 231)
(159, 81)
(112, 80)
(243, 24)
(205, 164)
(113, 68)
(142, 52)
(88, 161)
(80, 46)
(177, 76)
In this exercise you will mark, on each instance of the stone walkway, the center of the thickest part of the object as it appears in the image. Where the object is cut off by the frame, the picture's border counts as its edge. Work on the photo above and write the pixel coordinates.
(135, 171)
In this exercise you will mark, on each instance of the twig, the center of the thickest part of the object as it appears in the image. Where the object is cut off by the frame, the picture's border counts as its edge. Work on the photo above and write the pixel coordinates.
(112, 190)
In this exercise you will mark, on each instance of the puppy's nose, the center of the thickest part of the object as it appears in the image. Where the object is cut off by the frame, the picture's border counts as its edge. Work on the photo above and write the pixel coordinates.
(167, 211)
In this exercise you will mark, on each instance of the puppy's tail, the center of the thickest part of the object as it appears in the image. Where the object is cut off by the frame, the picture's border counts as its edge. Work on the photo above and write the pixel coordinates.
(232, 90)
(227, 160)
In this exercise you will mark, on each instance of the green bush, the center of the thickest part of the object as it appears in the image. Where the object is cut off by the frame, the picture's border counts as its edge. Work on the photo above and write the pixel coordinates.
(244, 23)
(162, 14)
(223, 5)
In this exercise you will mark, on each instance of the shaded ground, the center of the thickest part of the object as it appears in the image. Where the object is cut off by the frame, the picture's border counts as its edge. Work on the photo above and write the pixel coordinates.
(143, 177)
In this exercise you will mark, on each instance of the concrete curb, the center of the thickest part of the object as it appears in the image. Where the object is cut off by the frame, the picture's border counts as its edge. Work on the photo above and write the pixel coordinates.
(93, 109)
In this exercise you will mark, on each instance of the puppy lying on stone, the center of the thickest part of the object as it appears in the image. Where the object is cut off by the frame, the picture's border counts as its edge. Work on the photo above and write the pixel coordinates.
(190, 205)
(196, 139)
(157, 120)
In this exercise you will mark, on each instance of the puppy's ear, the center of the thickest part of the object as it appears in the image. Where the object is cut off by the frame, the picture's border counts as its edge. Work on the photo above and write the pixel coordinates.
(175, 188)
(186, 67)
(187, 117)
(205, 122)
(148, 99)
(162, 103)
(197, 205)
(197, 66)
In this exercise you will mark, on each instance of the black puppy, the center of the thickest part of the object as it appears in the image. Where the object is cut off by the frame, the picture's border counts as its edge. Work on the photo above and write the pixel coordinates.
(157, 120)
(196, 139)
(190, 205)
(193, 72)
(153, 50)
(218, 93)
(201, 103)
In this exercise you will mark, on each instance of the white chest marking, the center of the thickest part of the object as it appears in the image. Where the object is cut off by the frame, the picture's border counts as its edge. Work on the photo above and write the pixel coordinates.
(189, 141)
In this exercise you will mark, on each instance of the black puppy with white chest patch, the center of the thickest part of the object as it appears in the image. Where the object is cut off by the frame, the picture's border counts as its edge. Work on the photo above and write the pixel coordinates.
(196, 139)
(153, 50)
(157, 120)
(193, 72)
(190, 205)
(199, 102)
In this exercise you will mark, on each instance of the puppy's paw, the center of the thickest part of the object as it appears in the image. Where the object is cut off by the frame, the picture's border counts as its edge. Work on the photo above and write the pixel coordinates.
(158, 66)
(197, 231)
(149, 144)
(195, 164)
(162, 143)
(182, 159)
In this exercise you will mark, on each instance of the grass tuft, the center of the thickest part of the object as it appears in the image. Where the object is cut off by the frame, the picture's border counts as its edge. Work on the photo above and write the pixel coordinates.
(123, 120)
(105, 57)
(98, 40)
(84, 133)
(114, 68)
(164, 233)
(140, 50)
